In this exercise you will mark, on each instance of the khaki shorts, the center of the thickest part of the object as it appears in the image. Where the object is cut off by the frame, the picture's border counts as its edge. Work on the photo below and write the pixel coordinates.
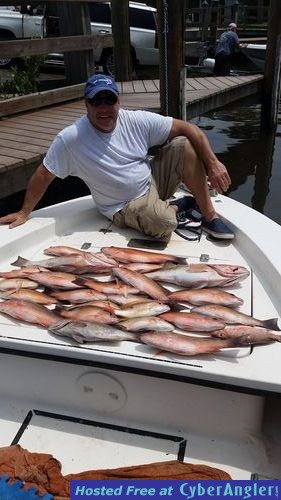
(151, 214)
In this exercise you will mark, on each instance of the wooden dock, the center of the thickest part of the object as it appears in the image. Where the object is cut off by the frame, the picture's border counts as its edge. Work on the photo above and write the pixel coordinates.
(25, 138)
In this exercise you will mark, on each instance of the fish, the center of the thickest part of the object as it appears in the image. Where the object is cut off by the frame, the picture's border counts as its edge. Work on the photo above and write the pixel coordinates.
(127, 255)
(192, 322)
(204, 296)
(59, 280)
(231, 316)
(60, 251)
(128, 299)
(29, 312)
(90, 314)
(142, 267)
(80, 264)
(17, 283)
(152, 308)
(256, 338)
(225, 270)
(30, 295)
(146, 323)
(185, 345)
(191, 277)
(78, 296)
(106, 287)
(21, 273)
(83, 331)
(142, 283)
(252, 332)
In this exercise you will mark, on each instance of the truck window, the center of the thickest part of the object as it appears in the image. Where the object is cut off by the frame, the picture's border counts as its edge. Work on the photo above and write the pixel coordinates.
(139, 18)
(100, 13)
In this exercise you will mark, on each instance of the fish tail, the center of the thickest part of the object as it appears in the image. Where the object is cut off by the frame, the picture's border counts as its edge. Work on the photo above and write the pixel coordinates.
(277, 337)
(20, 262)
(271, 324)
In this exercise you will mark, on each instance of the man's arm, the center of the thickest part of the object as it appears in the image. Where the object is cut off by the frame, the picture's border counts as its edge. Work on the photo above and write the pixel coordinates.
(215, 170)
(36, 187)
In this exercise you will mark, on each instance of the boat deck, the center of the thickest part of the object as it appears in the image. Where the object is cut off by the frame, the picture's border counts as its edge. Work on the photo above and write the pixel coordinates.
(86, 403)
(25, 138)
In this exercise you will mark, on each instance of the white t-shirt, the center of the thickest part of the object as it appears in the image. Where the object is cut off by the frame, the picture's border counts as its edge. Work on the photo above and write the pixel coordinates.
(113, 165)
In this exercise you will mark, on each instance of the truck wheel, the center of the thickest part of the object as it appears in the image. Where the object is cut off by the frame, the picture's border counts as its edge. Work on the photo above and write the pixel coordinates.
(108, 63)
(5, 61)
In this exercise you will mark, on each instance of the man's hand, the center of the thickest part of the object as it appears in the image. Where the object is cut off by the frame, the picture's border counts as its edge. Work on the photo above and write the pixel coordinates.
(15, 219)
(218, 177)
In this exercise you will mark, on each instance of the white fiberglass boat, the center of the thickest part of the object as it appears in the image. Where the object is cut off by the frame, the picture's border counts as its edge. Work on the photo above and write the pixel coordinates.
(106, 405)
(256, 53)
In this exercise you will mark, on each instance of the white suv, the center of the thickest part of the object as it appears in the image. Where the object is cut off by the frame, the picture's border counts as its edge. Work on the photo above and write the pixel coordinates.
(143, 35)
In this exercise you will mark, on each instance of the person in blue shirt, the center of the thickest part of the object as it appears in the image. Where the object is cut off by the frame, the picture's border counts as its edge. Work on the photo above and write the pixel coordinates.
(227, 44)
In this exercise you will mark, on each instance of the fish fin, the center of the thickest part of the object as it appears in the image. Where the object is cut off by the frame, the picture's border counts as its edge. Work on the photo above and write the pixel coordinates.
(271, 324)
(175, 305)
(78, 338)
(20, 262)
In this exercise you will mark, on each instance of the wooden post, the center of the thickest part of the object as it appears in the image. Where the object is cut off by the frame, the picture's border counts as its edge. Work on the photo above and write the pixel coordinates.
(271, 84)
(171, 41)
(75, 20)
(121, 35)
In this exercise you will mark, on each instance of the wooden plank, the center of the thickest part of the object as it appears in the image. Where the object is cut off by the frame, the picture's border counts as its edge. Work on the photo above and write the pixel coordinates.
(214, 83)
(157, 84)
(37, 142)
(41, 99)
(150, 86)
(15, 153)
(26, 133)
(7, 160)
(138, 86)
(17, 127)
(127, 88)
(225, 82)
(32, 148)
(37, 46)
(195, 84)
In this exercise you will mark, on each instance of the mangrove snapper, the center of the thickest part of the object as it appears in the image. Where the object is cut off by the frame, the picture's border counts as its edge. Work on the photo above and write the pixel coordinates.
(204, 296)
(192, 322)
(127, 255)
(30, 312)
(231, 316)
(185, 345)
(142, 283)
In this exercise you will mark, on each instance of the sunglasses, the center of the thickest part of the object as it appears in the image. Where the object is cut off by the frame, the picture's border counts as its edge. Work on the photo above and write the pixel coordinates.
(99, 101)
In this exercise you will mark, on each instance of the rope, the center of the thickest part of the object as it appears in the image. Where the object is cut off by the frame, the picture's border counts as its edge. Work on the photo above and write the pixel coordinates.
(165, 43)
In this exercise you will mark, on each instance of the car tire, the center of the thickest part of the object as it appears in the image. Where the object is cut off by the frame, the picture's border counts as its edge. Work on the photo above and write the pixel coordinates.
(5, 61)
(108, 64)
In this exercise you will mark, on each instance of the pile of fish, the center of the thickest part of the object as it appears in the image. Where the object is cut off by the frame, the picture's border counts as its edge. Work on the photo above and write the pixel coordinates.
(123, 294)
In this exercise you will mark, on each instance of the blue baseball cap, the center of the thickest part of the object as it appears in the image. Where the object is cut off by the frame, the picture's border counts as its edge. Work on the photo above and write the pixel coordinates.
(98, 83)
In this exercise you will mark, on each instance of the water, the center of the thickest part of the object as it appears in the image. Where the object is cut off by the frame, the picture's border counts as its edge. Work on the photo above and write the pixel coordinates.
(251, 157)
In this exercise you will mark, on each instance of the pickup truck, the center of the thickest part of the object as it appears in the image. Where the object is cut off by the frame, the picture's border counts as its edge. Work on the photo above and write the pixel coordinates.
(15, 24)
(38, 23)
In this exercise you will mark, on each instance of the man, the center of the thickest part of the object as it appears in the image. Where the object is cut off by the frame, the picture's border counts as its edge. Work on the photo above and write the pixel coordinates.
(225, 49)
(107, 148)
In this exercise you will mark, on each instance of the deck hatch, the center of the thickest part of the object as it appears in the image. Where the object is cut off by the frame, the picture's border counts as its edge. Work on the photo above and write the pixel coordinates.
(86, 444)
